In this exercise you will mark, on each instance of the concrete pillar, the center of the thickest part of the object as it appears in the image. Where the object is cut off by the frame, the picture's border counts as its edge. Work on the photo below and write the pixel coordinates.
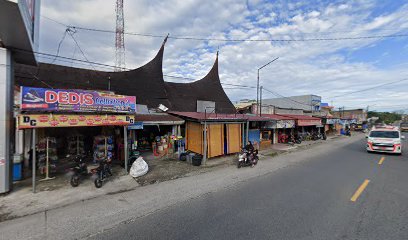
(6, 117)
(205, 144)
(126, 147)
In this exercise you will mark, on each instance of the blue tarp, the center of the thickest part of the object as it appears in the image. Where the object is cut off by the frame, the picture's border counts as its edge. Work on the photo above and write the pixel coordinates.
(254, 135)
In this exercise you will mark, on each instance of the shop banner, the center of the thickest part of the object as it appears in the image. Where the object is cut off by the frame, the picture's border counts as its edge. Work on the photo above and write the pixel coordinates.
(332, 121)
(74, 100)
(309, 122)
(285, 124)
(279, 124)
(60, 120)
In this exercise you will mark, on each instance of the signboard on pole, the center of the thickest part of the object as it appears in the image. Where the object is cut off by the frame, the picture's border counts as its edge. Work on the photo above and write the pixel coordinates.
(74, 100)
(136, 126)
(26, 121)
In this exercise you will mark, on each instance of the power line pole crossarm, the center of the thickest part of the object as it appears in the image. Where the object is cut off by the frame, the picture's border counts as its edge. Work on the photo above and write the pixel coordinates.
(257, 83)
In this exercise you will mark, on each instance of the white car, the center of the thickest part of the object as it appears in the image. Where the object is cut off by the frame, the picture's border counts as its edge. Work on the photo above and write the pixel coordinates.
(385, 139)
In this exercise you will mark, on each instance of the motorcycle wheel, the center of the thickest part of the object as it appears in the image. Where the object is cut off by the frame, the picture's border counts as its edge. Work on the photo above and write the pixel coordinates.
(98, 183)
(74, 180)
(239, 164)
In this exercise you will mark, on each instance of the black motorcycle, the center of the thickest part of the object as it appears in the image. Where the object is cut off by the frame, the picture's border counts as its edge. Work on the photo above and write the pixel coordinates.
(80, 171)
(298, 139)
(247, 158)
(102, 172)
(294, 140)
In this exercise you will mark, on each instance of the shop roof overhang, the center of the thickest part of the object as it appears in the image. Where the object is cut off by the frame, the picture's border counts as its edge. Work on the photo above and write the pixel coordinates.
(14, 34)
(211, 117)
(158, 119)
(304, 120)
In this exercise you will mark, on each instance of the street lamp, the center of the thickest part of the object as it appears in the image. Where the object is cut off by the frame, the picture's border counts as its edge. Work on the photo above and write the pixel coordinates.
(257, 84)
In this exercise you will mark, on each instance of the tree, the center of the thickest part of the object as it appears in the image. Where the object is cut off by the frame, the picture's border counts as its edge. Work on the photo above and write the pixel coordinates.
(385, 117)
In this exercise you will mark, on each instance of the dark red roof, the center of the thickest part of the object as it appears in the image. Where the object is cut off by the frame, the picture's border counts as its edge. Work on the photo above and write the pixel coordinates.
(184, 96)
(277, 117)
(210, 116)
(235, 117)
(156, 117)
(299, 117)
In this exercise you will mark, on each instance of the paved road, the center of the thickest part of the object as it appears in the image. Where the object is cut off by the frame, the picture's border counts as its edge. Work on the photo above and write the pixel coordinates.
(306, 200)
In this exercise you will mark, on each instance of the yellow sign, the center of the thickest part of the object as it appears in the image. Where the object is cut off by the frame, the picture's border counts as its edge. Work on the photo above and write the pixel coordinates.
(66, 120)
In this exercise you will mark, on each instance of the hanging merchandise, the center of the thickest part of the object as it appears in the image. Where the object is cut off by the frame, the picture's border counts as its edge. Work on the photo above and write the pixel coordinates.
(76, 145)
(47, 156)
(103, 148)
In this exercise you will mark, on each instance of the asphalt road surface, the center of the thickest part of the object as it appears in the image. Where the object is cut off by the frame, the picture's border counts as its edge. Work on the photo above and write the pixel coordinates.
(344, 193)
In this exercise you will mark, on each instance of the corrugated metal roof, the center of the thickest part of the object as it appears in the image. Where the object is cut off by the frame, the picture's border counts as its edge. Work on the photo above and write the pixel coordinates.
(156, 117)
(300, 117)
(210, 116)
(277, 117)
(233, 117)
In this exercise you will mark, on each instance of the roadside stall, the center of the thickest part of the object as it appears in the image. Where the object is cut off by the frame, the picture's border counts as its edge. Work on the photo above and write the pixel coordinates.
(258, 132)
(156, 134)
(212, 134)
(66, 123)
(330, 125)
(306, 125)
(282, 127)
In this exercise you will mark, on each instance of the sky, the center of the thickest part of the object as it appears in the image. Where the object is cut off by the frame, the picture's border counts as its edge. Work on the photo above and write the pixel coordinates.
(339, 70)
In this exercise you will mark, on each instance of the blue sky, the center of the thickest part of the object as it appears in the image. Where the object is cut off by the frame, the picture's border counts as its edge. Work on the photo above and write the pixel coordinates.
(327, 68)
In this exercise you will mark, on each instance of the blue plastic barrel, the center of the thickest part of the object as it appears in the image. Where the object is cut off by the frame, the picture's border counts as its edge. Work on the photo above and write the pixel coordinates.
(17, 171)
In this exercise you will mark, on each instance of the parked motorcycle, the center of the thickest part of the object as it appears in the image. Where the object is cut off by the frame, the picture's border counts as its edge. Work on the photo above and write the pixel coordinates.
(80, 170)
(298, 139)
(316, 136)
(247, 158)
(102, 172)
(294, 140)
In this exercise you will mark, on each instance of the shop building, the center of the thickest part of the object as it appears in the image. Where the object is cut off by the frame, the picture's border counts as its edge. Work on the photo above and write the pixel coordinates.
(276, 130)
(306, 125)
(213, 134)
(18, 42)
(65, 123)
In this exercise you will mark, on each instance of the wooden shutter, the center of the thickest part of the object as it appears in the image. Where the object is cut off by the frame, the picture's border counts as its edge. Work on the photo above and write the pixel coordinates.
(215, 136)
(234, 138)
(194, 135)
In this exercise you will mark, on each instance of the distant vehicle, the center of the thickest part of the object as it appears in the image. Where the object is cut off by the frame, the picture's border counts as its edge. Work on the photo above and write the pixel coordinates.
(385, 139)
(404, 126)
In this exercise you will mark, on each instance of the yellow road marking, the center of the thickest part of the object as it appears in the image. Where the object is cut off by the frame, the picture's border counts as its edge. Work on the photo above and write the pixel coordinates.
(359, 190)
(381, 161)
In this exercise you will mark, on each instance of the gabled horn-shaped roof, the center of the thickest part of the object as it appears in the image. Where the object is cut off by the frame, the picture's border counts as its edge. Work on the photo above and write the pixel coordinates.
(145, 82)
(184, 96)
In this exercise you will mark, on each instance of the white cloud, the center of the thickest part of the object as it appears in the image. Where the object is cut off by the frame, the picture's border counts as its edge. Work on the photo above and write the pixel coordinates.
(320, 67)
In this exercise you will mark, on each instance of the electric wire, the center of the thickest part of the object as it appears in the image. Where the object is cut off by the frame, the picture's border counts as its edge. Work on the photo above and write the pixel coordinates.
(244, 40)
(370, 88)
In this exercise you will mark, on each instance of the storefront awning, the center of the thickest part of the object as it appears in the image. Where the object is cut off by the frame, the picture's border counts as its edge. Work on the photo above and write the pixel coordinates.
(158, 119)
(27, 121)
(304, 120)
(211, 117)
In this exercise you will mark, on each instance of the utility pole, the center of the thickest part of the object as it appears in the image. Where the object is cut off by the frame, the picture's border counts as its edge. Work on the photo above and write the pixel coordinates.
(260, 101)
(257, 83)
(120, 38)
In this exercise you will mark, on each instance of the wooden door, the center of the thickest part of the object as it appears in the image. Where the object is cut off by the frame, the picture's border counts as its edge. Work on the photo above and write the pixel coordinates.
(215, 139)
(234, 138)
(194, 135)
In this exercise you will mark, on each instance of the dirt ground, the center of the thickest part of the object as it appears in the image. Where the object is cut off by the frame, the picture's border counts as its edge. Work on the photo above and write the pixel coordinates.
(165, 169)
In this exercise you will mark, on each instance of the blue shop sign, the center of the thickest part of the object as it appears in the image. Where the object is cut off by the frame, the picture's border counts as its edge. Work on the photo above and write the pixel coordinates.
(136, 126)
